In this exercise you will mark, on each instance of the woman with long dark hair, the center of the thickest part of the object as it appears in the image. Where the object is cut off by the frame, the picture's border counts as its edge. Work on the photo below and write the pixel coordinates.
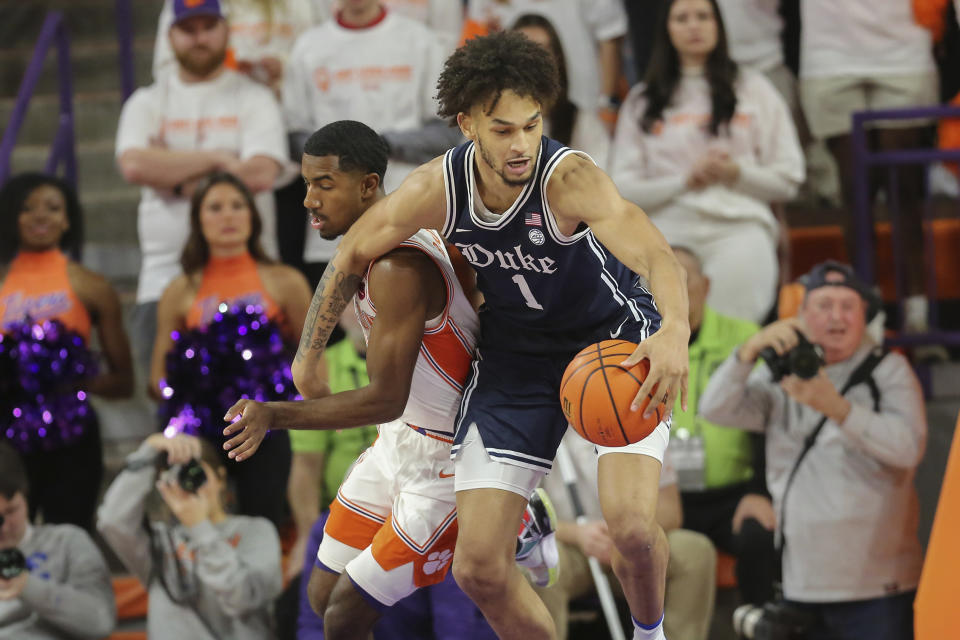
(575, 127)
(705, 148)
(225, 268)
(49, 304)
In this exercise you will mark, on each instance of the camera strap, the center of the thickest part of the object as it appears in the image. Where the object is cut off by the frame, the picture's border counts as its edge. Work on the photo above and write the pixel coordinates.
(158, 558)
(863, 374)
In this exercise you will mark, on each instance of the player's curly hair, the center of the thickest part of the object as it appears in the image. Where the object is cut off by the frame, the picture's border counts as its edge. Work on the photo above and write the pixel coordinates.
(485, 67)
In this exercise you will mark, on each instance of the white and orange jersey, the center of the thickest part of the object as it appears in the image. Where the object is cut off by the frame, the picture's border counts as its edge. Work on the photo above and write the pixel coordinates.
(449, 342)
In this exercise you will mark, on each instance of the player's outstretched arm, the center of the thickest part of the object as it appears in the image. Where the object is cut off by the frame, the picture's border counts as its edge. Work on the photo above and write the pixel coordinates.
(418, 203)
(578, 192)
(409, 290)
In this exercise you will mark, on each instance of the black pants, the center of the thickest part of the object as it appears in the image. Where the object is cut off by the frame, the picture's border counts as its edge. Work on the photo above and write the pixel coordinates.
(65, 482)
(291, 222)
(884, 618)
(260, 481)
(711, 513)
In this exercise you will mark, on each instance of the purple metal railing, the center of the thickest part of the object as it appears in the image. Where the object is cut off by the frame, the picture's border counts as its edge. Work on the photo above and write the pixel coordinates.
(124, 18)
(53, 33)
(863, 160)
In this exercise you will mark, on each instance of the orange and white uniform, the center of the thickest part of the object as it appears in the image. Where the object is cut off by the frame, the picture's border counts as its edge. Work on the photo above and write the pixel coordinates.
(37, 287)
(234, 281)
(393, 523)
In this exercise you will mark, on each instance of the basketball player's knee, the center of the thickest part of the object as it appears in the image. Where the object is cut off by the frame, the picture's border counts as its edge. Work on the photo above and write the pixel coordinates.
(634, 535)
(337, 622)
(348, 614)
(318, 590)
(318, 601)
(481, 577)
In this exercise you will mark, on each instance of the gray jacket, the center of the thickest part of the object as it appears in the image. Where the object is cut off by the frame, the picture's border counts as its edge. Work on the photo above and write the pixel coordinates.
(68, 593)
(229, 572)
(852, 511)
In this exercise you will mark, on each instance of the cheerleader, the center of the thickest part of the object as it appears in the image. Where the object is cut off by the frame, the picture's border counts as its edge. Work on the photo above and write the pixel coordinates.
(43, 286)
(224, 267)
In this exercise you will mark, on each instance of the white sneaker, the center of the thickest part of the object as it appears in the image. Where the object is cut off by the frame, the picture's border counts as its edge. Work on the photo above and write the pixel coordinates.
(536, 543)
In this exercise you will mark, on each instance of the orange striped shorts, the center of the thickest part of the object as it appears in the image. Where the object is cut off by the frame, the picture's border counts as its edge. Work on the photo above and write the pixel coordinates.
(393, 524)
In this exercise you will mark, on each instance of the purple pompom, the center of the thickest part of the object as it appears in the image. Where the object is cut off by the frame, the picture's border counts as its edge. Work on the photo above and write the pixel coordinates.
(42, 407)
(240, 354)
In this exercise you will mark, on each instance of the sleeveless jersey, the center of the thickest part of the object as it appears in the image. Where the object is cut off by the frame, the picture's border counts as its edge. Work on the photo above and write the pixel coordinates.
(544, 292)
(37, 286)
(446, 352)
(233, 280)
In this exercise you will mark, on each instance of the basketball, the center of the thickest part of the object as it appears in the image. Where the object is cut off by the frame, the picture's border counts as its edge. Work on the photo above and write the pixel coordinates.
(596, 392)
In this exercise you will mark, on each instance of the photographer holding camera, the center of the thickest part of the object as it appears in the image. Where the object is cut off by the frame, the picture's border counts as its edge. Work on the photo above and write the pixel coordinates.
(846, 429)
(54, 584)
(210, 575)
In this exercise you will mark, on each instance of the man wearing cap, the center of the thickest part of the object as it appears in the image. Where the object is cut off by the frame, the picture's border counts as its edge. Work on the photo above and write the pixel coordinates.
(848, 517)
(202, 118)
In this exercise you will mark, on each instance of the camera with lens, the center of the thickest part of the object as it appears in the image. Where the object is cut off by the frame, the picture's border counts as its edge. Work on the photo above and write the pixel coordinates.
(12, 563)
(772, 621)
(803, 361)
(189, 475)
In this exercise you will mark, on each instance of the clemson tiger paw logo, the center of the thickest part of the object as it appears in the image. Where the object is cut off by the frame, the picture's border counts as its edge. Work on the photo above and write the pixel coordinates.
(436, 561)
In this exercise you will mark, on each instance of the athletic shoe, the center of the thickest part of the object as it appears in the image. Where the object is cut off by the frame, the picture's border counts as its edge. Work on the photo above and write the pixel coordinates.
(536, 541)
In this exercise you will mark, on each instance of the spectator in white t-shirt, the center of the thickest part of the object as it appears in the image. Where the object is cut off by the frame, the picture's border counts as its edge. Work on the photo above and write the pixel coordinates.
(704, 147)
(577, 128)
(371, 64)
(200, 119)
(591, 32)
(754, 29)
(860, 55)
(444, 17)
(262, 32)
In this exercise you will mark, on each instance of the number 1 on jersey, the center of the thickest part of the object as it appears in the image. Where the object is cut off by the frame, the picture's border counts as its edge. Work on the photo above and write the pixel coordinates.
(527, 294)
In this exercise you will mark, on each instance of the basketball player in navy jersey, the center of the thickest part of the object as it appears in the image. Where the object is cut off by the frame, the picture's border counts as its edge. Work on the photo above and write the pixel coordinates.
(392, 526)
(557, 252)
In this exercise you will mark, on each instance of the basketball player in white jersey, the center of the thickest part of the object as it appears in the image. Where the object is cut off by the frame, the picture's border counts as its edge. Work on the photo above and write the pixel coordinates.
(392, 527)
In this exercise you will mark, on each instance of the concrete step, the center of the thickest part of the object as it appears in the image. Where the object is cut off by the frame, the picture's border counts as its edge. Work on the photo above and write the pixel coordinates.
(86, 20)
(118, 262)
(96, 169)
(110, 217)
(94, 67)
(95, 117)
(943, 381)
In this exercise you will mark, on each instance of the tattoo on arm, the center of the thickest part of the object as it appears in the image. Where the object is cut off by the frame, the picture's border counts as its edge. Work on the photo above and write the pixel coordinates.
(324, 312)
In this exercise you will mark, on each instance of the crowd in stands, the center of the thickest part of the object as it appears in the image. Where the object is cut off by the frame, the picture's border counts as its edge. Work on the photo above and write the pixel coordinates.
(710, 138)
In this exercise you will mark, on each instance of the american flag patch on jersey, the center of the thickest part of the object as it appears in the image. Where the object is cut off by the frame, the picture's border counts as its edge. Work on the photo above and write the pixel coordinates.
(534, 219)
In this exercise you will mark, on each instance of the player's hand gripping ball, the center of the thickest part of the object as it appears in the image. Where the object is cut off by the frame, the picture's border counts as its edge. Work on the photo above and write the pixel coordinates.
(596, 393)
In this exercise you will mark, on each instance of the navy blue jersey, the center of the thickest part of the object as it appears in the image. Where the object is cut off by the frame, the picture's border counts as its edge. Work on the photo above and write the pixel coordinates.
(543, 291)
